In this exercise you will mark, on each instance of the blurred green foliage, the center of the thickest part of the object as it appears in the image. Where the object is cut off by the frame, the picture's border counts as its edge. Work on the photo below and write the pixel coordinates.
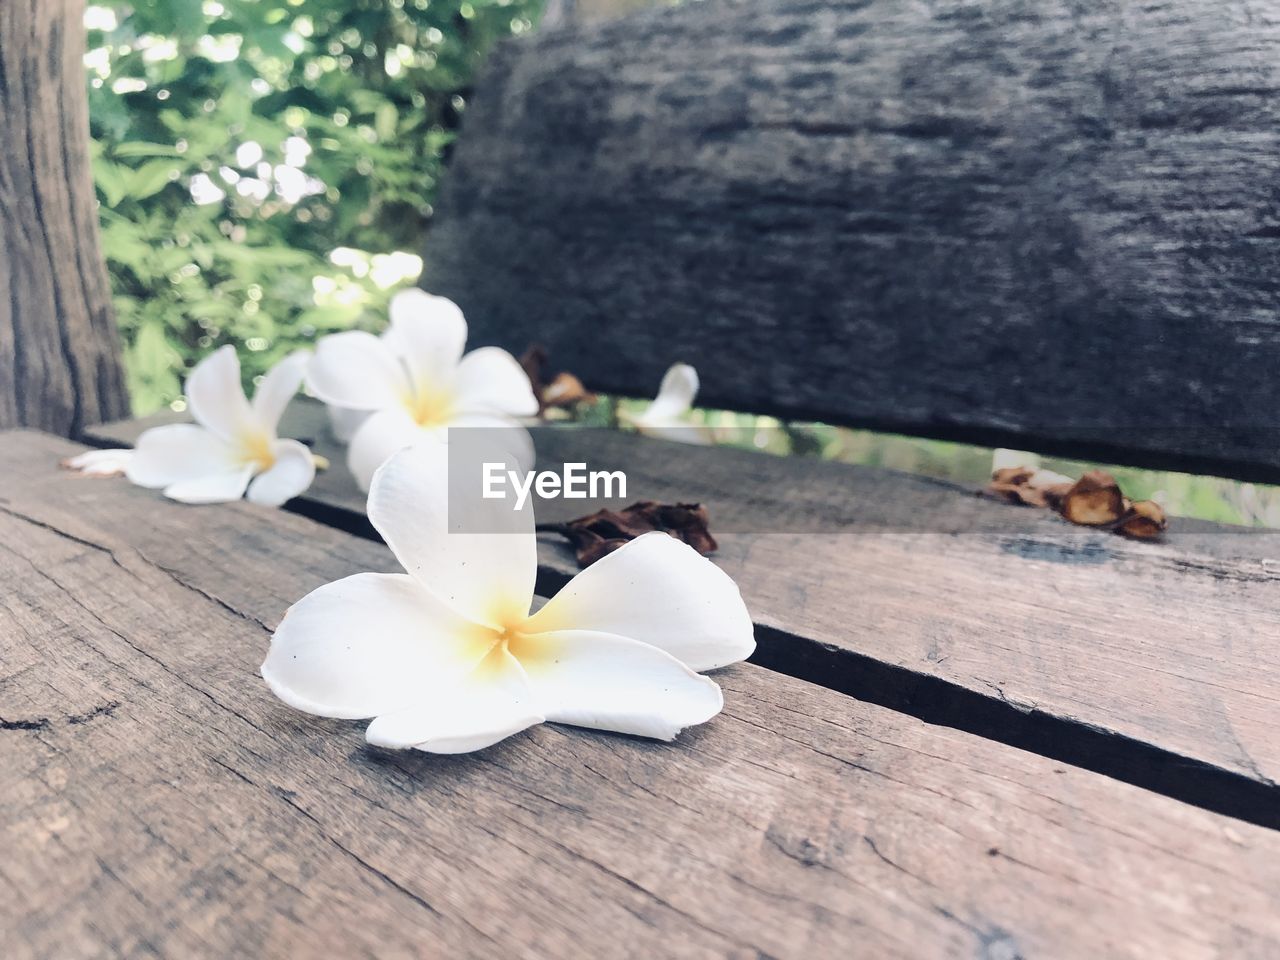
(266, 167)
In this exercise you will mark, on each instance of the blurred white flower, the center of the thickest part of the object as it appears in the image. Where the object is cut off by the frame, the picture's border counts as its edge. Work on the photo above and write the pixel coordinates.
(447, 658)
(1003, 458)
(415, 383)
(231, 446)
(666, 416)
(100, 463)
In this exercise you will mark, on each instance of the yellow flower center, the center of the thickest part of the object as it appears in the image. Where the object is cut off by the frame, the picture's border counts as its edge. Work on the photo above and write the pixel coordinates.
(531, 650)
(255, 450)
(429, 407)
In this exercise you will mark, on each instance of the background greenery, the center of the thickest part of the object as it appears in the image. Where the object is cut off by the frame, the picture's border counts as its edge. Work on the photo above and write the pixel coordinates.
(266, 167)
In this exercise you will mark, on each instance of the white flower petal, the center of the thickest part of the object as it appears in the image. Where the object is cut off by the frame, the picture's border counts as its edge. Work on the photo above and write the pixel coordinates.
(492, 380)
(499, 430)
(675, 395)
(659, 591)
(1002, 457)
(344, 422)
(490, 704)
(382, 434)
(278, 387)
(606, 682)
(100, 463)
(358, 371)
(177, 452)
(429, 524)
(289, 476)
(428, 333)
(676, 431)
(216, 398)
(1047, 478)
(366, 645)
(215, 488)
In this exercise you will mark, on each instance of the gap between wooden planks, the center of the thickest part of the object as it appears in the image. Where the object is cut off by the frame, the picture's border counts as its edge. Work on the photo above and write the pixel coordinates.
(154, 796)
(1158, 664)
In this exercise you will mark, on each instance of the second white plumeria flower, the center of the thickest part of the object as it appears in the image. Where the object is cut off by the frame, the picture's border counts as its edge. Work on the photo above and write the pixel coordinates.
(231, 447)
(666, 416)
(415, 383)
(447, 658)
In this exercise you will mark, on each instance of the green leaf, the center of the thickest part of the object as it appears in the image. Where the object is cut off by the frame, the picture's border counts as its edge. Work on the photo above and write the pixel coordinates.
(140, 148)
(150, 178)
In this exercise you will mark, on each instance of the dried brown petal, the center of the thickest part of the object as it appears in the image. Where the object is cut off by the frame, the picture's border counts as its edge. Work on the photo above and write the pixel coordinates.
(532, 361)
(564, 390)
(1055, 493)
(591, 552)
(1146, 520)
(1015, 493)
(1094, 500)
(602, 532)
(1029, 486)
(1012, 475)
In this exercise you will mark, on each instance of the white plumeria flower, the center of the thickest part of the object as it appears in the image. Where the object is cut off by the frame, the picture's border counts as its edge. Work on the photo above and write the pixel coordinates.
(447, 658)
(665, 416)
(343, 421)
(100, 463)
(415, 382)
(231, 446)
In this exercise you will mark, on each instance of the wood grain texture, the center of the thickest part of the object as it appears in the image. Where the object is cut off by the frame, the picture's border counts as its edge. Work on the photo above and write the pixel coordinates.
(907, 591)
(157, 800)
(59, 349)
(1045, 225)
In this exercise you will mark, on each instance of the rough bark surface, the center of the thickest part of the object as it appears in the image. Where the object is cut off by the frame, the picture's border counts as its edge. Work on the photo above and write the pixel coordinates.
(1048, 224)
(59, 349)
(158, 800)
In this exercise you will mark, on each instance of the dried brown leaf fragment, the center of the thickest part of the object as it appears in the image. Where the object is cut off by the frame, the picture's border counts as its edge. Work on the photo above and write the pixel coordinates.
(564, 391)
(1029, 486)
(604, 531)
(1095, 500)
(1145, 520)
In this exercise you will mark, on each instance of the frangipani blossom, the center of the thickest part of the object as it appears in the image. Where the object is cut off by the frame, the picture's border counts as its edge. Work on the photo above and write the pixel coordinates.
(343, 421)
(414, 382)
(100, 463)
(231, 446)
(665, 416)
(447, 658)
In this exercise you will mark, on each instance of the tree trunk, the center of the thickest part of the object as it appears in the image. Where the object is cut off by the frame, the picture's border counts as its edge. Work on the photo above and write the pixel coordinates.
(1042, 224)
(59, 350)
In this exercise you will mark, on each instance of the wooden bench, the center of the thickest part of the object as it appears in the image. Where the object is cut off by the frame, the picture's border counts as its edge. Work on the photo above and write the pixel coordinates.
(160, 800)
(969, 729)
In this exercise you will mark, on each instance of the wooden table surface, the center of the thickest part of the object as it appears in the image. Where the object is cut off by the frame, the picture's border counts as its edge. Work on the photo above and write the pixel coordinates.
(1015, 740)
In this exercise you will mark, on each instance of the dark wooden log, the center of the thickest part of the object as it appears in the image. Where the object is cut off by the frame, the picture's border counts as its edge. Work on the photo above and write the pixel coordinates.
(59, 349)
(1037, 224)
(159, 800)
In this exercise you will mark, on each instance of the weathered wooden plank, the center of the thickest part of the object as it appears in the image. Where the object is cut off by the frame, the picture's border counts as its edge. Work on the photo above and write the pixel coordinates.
(59, 348)
(1040, 225)
(1157, 663)
(157, 799)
